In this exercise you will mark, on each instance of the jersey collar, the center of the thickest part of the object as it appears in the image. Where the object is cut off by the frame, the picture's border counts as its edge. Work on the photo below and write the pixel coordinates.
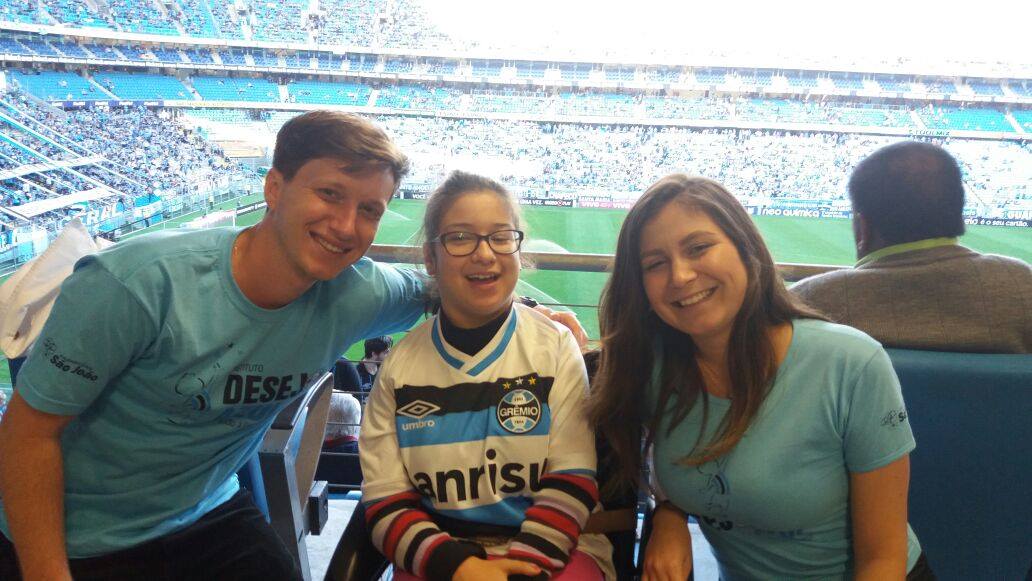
(474, 365)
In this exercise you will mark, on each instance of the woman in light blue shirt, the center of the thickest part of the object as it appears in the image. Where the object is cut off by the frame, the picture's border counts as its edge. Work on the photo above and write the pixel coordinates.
(786, 435)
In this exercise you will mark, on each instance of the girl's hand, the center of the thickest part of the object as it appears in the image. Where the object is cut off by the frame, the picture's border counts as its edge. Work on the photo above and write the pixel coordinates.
(476, 569)
(668, 555)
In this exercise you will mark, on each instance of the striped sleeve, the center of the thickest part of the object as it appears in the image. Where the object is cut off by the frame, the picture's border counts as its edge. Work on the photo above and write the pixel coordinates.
(553, 523)
(568, 492)
(408, 537)
(399, 526)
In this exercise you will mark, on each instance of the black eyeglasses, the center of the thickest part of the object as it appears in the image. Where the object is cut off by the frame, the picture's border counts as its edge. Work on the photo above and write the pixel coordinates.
(466, 243)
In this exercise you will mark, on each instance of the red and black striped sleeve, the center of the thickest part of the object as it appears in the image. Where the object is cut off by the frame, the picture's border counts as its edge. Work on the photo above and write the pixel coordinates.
(408, 537)
(553, 524)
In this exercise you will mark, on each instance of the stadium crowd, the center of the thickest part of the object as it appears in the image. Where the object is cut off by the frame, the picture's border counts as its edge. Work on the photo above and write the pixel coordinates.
(144, 155)
(565, 159)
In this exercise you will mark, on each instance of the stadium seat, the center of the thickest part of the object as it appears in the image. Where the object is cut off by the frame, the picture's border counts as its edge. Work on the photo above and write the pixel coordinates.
(281, 477)
(970, 473)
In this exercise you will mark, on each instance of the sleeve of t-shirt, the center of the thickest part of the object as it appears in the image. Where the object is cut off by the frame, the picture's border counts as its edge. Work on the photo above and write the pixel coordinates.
(400, 293)
(96, 328)
(877, 430)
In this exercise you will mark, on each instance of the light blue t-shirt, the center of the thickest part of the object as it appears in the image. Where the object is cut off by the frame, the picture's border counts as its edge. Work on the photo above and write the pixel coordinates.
(777, 505)
(174, 375)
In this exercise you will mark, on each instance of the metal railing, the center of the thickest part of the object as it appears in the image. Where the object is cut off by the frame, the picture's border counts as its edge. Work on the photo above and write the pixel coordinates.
(790, 271)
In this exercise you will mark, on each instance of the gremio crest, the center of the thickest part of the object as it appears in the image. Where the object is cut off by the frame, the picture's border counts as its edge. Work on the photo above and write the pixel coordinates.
(519, 411)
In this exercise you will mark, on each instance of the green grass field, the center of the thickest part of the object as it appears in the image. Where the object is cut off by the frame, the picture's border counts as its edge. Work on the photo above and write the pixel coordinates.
(803, 240)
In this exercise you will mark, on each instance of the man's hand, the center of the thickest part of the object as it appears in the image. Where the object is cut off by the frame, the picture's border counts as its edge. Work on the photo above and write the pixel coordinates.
(567, 319)
(476, 569)
(668, 555)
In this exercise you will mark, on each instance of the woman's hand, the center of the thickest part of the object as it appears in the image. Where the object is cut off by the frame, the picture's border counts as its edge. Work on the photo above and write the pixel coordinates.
(476, 569)
(668, 555)
(569, 320)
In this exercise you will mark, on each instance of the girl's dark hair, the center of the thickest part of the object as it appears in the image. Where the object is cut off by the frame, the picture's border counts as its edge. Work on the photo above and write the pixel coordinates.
(632, 332)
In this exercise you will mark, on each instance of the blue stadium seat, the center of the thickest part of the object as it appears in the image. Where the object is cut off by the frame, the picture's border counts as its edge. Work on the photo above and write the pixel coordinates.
(441, 67)
(969, 478)
(487, 68)
(970, 119)
(199, 21)
(54, 85)
(327, 93)
(802, 80)
(39, 46)
(280, 21)
(1024, 118)
(236, 89)
(199, 56)
(10, 45)
(945, 87)
(70, 49)
(989, 89)
(619, 74)
(141, 86)
(663, 75)
(263, 58)
(398, 65)
(711, 77)
(526, 70)
(418, 98)
(330, 61)
(850, 82)
(894, 85)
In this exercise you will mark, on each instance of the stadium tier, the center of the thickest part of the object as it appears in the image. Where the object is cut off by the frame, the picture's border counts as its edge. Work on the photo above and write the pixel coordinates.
(141, 86)
(96, 164)
(973, 119)
(324, 93)
(1024, 119)
(419, 98)
(236, 89)
(25, 44)
(54, 85)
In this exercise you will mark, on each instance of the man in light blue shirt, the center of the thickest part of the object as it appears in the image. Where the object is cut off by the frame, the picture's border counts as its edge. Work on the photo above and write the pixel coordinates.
(167, 357)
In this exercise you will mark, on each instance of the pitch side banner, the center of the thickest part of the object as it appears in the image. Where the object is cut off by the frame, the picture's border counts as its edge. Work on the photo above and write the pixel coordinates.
(980, 221)
(801, 212)
(617, 204)
(556, 202)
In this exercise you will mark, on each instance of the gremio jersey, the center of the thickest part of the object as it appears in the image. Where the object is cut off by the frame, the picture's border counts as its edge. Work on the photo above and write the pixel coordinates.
(497, 438)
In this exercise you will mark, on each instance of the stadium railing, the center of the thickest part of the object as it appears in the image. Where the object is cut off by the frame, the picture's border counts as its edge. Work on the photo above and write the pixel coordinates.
(571, 262)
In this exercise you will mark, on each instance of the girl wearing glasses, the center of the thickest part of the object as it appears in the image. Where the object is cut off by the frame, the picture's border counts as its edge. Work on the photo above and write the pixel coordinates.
(478, 460)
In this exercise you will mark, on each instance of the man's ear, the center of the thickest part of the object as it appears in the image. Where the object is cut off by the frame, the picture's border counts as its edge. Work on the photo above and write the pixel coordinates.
(428, 259)
(862, 234)
(273, 188)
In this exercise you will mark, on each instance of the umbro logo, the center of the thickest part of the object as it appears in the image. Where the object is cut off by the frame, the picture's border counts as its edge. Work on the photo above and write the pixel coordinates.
(418, 409)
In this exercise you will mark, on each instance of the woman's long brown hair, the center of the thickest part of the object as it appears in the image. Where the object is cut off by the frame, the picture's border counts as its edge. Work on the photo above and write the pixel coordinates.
(632, 333)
